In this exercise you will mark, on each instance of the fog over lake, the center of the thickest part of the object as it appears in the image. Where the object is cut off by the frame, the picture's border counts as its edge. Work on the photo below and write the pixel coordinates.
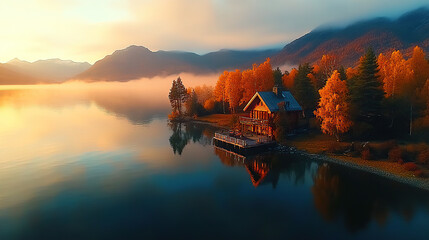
(100, 160)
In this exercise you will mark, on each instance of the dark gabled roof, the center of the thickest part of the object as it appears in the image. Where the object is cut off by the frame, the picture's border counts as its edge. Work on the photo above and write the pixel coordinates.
(271, 100)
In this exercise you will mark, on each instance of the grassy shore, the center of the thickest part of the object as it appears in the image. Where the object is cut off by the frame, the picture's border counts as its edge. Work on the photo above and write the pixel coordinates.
(316, 145)
(218, 120)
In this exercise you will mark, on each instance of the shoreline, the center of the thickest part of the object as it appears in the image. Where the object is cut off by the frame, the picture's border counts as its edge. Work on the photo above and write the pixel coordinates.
(412, 181)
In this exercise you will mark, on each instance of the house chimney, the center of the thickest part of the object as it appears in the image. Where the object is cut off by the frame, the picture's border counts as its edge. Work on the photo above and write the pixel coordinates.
(277, 90)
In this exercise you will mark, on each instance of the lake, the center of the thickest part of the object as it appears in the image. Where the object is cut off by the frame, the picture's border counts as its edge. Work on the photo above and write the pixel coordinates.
(87, 161)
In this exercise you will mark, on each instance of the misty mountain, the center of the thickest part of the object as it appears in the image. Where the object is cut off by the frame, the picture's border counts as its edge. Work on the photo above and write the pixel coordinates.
(10, 77)
(51, 70)
(137, 62)
(351, 42)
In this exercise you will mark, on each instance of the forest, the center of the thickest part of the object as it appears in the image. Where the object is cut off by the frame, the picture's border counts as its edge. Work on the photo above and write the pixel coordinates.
(383, 97)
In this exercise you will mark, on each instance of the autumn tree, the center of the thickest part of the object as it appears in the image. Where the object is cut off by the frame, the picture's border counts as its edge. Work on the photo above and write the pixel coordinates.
(220, 89)
(288, 79)
(264, 76)
(204, 93)
(333, 110)
(234, 90)
(327, 65)
(249, 84)
(395, 73)
(420, 67)
(192, 106)
(177, 97)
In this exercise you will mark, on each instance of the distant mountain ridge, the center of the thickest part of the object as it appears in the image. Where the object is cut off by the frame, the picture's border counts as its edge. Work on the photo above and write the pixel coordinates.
(10, 77)
(138, 62)
(48, 71)
(349, 43)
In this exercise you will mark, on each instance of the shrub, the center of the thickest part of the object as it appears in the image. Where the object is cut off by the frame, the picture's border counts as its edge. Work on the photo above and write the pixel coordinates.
(336, 148)
(381, 150)
(410, 166)
(413, 150)
(395, 154)
(366, 154)
(419, 173)
(423, 157)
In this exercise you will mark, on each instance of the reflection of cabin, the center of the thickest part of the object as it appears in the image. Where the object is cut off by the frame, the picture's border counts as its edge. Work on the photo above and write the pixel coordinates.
(263, 108)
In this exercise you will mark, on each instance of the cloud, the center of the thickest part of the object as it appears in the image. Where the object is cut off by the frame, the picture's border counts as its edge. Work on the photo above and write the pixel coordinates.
(89, 30)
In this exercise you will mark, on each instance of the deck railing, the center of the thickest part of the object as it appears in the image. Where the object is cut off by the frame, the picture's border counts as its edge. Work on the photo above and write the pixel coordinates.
(232, 140)
(253, 121)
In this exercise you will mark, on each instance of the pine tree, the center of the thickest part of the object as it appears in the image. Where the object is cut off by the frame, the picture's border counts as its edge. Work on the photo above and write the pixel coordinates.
(303, 90)
(366, 90)
(277, 74)
(177, 96)
(182, 94)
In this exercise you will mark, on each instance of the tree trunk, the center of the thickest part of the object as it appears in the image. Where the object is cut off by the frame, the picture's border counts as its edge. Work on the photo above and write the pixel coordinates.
(411, 119)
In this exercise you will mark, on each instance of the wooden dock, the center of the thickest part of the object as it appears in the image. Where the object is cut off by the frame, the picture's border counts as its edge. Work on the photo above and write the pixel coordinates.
(243, 144)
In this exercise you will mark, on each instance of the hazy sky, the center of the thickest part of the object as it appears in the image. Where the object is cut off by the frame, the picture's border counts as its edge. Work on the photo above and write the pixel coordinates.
(87, 30)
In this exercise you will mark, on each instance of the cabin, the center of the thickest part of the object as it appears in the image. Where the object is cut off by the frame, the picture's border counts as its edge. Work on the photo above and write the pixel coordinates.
(264, 106)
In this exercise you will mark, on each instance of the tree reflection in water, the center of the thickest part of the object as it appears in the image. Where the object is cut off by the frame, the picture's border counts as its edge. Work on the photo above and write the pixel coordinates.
(340, 194)
(358, 197)
(184, 133)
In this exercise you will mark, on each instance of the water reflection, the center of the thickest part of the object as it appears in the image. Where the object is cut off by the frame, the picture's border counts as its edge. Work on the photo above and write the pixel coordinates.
(191, 132)
(266, 168)
(358, 198)
(340, 194)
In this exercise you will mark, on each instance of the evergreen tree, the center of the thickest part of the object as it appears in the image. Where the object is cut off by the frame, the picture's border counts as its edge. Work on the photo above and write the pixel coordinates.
(177, 96)
(366, 92)
(343, 74)
(277, 74)
(182, 94)
(303, 90)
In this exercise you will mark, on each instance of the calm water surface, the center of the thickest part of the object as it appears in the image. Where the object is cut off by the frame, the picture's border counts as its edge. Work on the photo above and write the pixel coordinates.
(104, 163)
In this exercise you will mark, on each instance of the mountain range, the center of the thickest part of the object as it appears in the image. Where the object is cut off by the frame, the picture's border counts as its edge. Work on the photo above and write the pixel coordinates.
(347, 43)
(138, 62)
(48, 71)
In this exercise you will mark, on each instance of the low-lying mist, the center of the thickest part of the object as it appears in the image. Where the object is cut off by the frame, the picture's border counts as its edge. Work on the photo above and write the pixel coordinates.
(138, 100)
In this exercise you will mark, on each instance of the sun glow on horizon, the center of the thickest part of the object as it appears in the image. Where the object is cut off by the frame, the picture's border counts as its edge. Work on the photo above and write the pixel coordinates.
(86, 31)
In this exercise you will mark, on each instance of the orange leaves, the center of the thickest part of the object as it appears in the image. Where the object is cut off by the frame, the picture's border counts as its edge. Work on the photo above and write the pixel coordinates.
(288, 80)
(234, 89)
(264, 76)
(220, 88)
(396, 73)
(249, 84)
(333, 108)
(420, 66)
(239, 87)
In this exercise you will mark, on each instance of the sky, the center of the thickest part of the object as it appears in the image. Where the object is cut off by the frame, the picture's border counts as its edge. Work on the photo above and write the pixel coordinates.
(88, 30)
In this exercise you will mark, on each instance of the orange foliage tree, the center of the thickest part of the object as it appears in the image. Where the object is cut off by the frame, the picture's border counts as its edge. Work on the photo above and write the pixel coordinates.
(351, 72)
(395, 73)
(220, 89)
(249, 84)
(333, 111)
(420, 66)
(328, 64)
(234, 91)
(288, 79)
(264, 76)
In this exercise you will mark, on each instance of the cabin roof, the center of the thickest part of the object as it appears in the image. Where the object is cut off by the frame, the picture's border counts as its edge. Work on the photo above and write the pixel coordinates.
(271, 100)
